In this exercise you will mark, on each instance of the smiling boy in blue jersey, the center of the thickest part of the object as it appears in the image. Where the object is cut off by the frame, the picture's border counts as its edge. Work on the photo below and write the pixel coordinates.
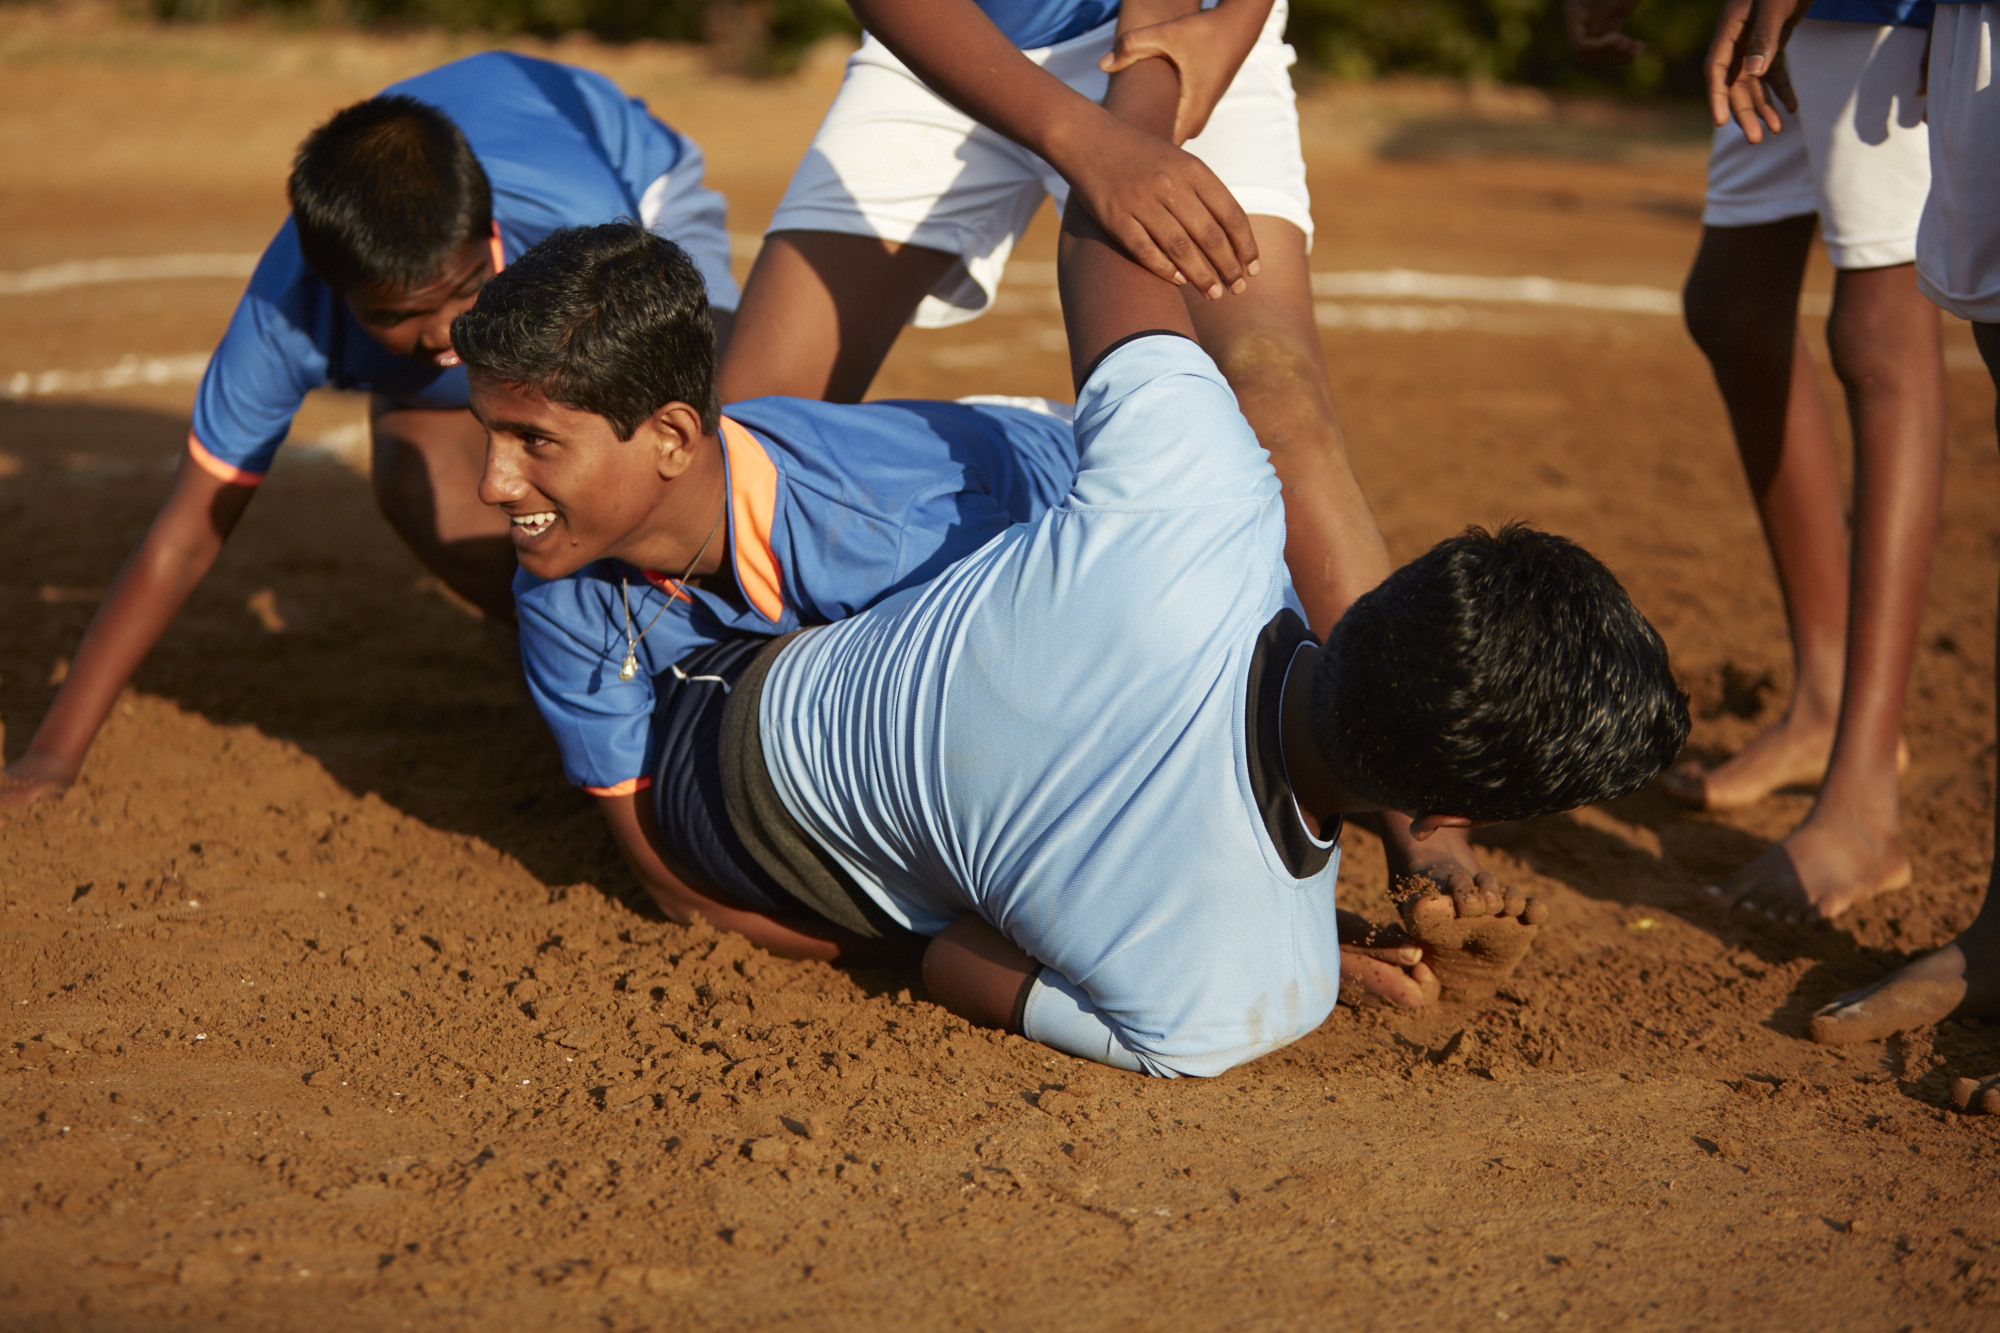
(662, 543)
(1098, 766)
(403, 206)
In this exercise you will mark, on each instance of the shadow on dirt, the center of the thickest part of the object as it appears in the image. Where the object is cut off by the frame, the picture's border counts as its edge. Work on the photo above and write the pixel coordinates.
(1648, 851)
(315, 626)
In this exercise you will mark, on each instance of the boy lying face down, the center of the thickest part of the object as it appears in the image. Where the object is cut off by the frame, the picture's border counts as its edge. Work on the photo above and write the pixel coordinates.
(1099, 764)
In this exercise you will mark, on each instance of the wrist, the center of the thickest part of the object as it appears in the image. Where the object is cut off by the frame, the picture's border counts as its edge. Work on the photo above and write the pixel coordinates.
(1067, 139)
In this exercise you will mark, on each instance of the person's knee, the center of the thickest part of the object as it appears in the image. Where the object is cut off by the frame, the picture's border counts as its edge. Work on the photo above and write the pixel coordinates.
(1868, 353)
(1728, 330)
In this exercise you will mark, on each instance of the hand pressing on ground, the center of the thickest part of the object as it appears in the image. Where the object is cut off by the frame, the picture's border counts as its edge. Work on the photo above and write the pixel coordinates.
(1382, 966)
(1473, 930)
(32, 777)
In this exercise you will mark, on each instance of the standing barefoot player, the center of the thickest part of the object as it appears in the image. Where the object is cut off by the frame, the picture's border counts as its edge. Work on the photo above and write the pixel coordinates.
(1958, 266)
(402, 207)
(958, 117)
(1853, 155)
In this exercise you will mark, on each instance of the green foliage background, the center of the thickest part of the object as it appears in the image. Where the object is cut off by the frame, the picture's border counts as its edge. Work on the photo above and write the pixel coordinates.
(1513, 40)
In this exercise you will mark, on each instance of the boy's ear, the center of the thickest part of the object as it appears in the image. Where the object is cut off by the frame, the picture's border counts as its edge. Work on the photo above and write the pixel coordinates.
(1424, 825)
(675, 433)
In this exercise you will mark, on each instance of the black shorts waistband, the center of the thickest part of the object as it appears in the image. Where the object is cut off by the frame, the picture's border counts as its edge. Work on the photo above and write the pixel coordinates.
(791, 856)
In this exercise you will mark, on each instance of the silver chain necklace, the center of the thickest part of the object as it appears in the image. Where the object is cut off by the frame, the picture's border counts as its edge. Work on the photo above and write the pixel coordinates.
(630, 669)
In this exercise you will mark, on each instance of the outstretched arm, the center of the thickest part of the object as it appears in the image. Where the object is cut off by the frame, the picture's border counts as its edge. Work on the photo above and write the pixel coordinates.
(673, 888)
(174, 556)
(1163, 204)
(1105, 295)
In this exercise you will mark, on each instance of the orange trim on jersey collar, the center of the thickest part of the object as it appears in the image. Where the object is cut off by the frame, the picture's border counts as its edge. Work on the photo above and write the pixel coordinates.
(499, 252)
(674, 591)
(753, 507)
(218, 469)
(625, 788)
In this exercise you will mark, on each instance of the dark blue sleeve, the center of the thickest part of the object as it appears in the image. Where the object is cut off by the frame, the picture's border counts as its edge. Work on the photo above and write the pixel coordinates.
(273, 353)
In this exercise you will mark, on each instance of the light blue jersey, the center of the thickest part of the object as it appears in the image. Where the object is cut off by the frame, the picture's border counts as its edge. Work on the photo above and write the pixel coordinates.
(1060, 734)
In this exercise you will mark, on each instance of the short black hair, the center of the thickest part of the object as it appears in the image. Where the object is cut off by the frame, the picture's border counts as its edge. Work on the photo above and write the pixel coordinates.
(1501, 675)
(611, 320)
(384, 193)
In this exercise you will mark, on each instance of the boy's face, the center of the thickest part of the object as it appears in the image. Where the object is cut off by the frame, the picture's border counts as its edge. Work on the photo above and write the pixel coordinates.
(416, 321)
(574, 490)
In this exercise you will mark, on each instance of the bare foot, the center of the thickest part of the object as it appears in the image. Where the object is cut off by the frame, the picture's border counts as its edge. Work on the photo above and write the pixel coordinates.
(1976, 1094)
(1824, 867)
(1474, 935)
(1382, 967)
(1961, 980)
(1791, 754)
(1437, 859)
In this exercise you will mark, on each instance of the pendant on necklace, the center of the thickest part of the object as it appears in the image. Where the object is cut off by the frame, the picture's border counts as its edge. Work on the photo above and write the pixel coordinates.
(631, 667)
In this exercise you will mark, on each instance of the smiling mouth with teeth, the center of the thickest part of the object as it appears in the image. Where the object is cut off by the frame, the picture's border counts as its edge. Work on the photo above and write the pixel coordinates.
(534, 525)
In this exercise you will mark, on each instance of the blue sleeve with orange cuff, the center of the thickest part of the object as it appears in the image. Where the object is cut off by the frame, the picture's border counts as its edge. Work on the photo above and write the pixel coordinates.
(290, 335)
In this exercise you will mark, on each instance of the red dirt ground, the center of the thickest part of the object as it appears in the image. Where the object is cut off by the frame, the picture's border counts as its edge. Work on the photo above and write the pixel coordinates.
(328, 1005)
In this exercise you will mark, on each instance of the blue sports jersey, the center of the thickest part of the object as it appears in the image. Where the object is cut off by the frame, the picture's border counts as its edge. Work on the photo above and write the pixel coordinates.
(831, 507)
(1901, 13)
(561, 147)
(1032, 23)
(1053, 734)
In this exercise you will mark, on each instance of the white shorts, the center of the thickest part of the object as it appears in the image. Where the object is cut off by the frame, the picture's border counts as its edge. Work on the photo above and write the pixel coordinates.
(681, 207)
(1856, 153)
(894, 160)
(1958, 250)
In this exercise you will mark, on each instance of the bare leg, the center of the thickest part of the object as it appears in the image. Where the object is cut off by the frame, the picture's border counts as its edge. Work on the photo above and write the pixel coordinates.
(820, 311)
(1961, 980)
(1742, 308)
(426, 476)
(1888, 353)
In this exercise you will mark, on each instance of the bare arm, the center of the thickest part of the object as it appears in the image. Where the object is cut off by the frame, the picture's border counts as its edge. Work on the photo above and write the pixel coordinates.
(1205, 46)
(174, 556)
(1105, 295)
(1163, 204)
(673, 888)
(978, 973)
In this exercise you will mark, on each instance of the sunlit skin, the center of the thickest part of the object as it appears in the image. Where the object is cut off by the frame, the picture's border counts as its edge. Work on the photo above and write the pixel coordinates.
(573, 492)
(416, 321)
(202, 510)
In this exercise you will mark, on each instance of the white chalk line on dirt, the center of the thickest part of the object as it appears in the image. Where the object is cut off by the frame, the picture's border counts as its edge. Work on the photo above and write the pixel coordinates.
(138, 268)
(1393, 282)
(130, 371)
